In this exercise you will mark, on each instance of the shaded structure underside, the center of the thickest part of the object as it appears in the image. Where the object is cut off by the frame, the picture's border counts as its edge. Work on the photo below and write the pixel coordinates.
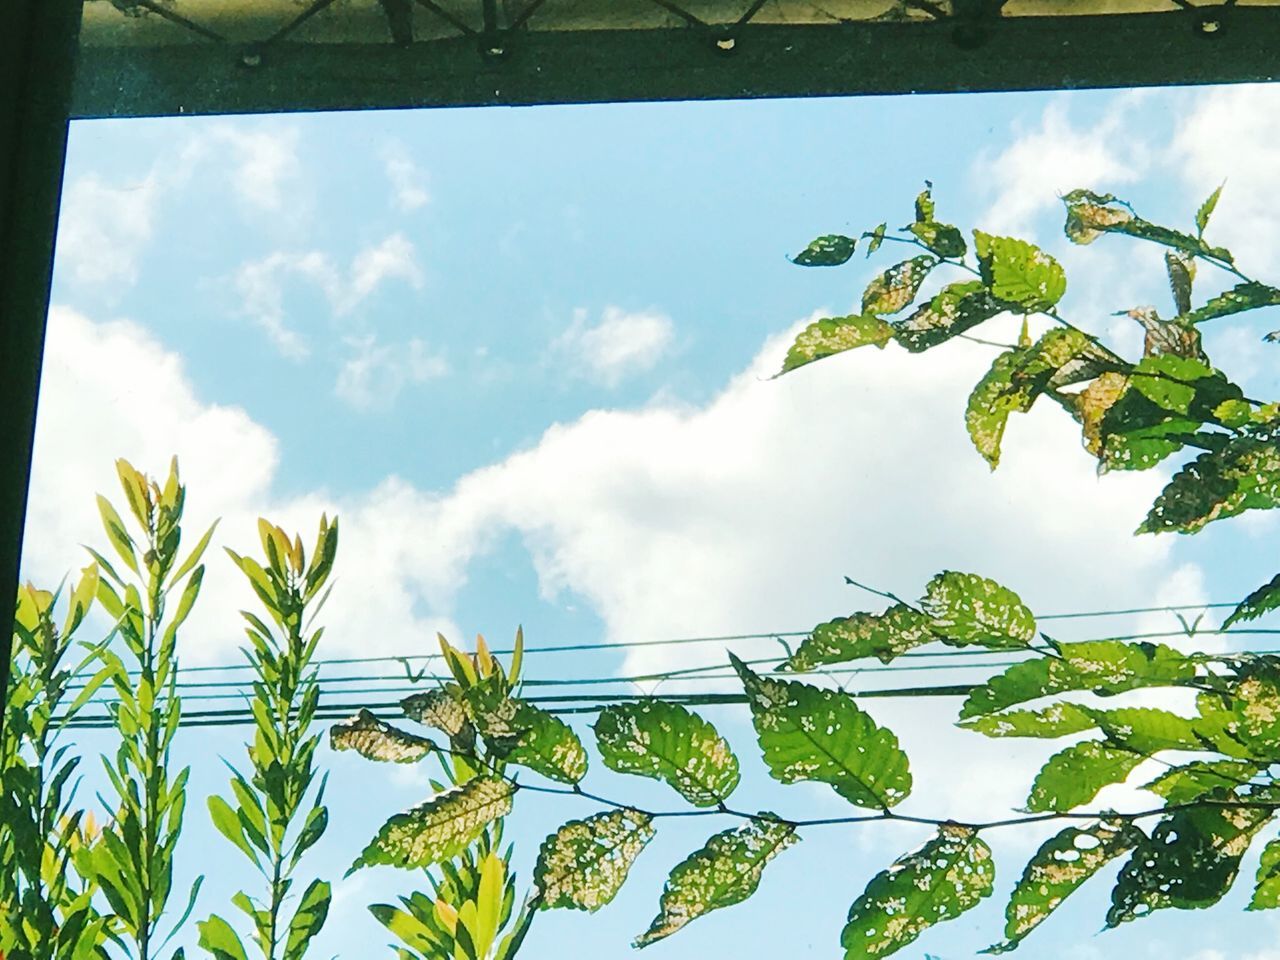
(170, 57)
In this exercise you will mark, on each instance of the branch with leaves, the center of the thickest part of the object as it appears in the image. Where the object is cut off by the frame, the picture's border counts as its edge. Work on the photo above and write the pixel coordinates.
(273, 817)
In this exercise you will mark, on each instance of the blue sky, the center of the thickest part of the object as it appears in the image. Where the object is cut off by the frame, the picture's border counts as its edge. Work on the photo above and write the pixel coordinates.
(523, 354)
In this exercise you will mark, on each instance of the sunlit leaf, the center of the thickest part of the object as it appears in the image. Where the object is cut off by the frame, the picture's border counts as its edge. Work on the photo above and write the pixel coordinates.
(1260, 602)
(1206, 209)
(667, 742)
(584, 864)
(1266, 896)
(894, 289)
(1019, 272)
(1243, 296)
(875, 238)
(1194, 780)
(307, 920)
(441, 827)
(1147, 729)
(724, 872)
(522, 733)
(940, 238)
(826, 338)
(376, 740)
(807, 733)
(957, 307)
(830, 250)
(968, 609)
(950, 874)
(217, 936)
(884, 636)
(1075, 775)
(1243, 475)
(1056, 720)
(1057, 869)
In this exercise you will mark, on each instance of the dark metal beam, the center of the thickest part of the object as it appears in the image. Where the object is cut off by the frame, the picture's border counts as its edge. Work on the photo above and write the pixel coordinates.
(685, 63)
(37, 58)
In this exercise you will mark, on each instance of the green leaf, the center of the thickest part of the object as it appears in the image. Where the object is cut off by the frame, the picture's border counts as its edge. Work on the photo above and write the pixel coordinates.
(312, 910)
(826, 338)
(1104, 666)
(1057, 869)
(968, 609)
(829, 250)
(1262, 601)
(1147, 730)
(884, 636)
(521, 733)
(375, 740)
(1057, 720)
(950, 874)
(1089, 215)
(957, 307)
(1267, 894)
(441, 828)
(194, 557)
(1189, 862)
(724, 872)
(807, 733)
(219, 939)
(228, 824)
(1206, 209)
(1019, 272)
(1075, 775)
(924, 204)
(117, 533)
(1194, 780)
(876, 238)
(894, 289)
(1249, 295)
(666, 742)
(583, 865)
(940, 238)
(1243, 475)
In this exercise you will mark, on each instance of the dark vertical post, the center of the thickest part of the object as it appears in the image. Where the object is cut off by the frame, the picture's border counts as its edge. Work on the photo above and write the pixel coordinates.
(37, 60)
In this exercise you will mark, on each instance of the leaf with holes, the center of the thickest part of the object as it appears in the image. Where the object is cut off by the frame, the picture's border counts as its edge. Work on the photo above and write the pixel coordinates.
(1147, 729)
(376, 740)
(940, 238)
(1194, 780)
(957, 307)
(1019, 272)
(667, 742)
(1243, 475)
(894, 289)
(1057, 870)
(950, 874)
(442, 709)
(807, 733)
(884, 636)
(1262, 601)
(1266, 895)
(1056, 720)
(1075, 775)
(829, 250)
(1090, 215)
(583, 865)
(968, 609)
(1250, 295)
(724, 872)
(826, 338)
(519, 732)
(1189, 862)
(441, 828)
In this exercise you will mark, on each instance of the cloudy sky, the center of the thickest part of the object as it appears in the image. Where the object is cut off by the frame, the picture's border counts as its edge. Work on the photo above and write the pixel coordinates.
(524, 355)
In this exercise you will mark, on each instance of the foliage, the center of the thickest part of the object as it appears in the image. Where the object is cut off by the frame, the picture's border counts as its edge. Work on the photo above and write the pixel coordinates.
(133, 863)
(46, 903)
(272, 816)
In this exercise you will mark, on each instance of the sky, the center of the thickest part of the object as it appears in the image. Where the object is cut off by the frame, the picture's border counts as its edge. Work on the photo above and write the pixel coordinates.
(525, 355)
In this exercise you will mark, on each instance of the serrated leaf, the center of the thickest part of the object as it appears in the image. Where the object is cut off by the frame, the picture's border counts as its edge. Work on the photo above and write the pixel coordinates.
(667, 742)
(1057, 720)
(374, 739)
(1075, 775)
(583, 865)
(1019, 272)
(950, 874)
(957, 307)
(896, 287)
(826, 338)
(1057, 869)
(807, 733)
(1105, 666)
(1243, 475)
(884, 636)
(441, 709)
(1181, 268)
(940, 238)
(522, 733)
(1147, 730)
(968, 609)
(724, 872)
(1194, 780)
(440, 828)
(1243, 296)
(1262, 601)
(1189, 862)
(1206, 209)
(1266, 895)
(1089, 215)
(829, 250)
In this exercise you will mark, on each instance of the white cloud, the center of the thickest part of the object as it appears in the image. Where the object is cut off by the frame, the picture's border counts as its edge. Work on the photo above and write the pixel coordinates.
(265, 160)
(622, 343)
(375, 373)
(408, 181)
(261, 285)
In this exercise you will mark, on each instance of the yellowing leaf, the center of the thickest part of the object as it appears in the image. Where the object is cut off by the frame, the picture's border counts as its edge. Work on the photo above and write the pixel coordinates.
(884, 636)
(826, 338)
(894, 289)
(376, 740)
(584, 864)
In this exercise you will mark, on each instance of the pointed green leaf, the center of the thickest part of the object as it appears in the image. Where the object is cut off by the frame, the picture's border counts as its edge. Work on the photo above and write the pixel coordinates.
(1019, 272)
(522, 733)
(968, 609)
(957, 307)
(950, 874)
(194, 557)
(884, 636)
(1057, 869)
(117, 533)
(829, 250)
(220, 940)
(876, 238)
(807, 733)
(1262, 601)
(307, 920)
(1266, 896)
(440, 828)
(1058, 720)
(1194, 780)
(724, 872)
(894, 289)
(826, 338)
(228, 824)
(1075, 775)
(1147, 730)
(583, 865)
(940, 238)
(667, 742)
(376, 740)
(1243, 475)
(1206, 209)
